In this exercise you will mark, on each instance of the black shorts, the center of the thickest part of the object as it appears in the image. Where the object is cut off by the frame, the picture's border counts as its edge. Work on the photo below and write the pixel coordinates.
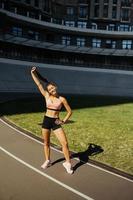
(49, 123)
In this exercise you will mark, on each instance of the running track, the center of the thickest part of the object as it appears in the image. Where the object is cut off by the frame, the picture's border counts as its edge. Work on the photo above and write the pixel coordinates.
(21, 177)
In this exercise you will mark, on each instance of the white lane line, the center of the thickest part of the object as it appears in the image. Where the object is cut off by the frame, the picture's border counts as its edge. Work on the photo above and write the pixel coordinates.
(104, 170)
(46, 175)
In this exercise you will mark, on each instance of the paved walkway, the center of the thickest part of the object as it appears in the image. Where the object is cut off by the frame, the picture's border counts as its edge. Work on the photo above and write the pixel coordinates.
(22, 178)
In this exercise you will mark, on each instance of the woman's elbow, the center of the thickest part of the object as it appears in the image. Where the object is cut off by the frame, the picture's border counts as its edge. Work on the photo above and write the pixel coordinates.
(70, 112)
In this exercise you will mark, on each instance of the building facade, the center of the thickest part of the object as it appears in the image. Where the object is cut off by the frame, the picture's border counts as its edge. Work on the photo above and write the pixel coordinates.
(100, 28)
(76, 33)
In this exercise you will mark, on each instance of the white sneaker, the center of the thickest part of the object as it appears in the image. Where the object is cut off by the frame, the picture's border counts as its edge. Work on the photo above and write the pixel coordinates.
(68, 167)
(46, 164)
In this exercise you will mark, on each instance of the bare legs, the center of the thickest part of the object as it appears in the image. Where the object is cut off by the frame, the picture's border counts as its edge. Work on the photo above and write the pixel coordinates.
(63, 141)
(46, 136)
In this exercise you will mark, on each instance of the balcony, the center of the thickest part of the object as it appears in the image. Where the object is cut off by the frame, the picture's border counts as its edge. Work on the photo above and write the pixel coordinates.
(59, 47)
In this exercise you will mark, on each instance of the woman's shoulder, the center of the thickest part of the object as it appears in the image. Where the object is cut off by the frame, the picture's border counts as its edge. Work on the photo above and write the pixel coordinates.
(62, 99)
(47, 95)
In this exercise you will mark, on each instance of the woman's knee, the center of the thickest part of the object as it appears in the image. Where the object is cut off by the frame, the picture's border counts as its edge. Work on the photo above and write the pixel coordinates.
(64, 144)
(46, 137)
(46, 143)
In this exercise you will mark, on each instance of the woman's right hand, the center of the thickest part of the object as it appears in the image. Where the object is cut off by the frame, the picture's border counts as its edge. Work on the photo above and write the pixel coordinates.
(33, 69)
(59, 122)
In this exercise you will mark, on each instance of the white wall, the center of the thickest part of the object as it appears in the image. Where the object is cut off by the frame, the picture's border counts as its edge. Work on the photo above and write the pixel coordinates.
(15, 77)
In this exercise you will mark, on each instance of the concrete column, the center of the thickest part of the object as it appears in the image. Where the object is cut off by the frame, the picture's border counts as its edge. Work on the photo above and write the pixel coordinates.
(15, 10)
(119, 10)
(3, 5)
(92, 9)
(40, 17)
(110, 10)
(32, 2)
(62, 22)
(28, 14)
(101, 8)
(41, 4)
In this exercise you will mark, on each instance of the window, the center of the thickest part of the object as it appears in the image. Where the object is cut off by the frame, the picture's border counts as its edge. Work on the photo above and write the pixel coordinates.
(63, 60)
(127, 44)
(36, 35)
(105, 11)
(113, 44)
(46, 6)
(36, 2)
(96, 11)
(124, 27)
(66, 40)
(83, 12)
(114, 12)
(111, 27)
(126, 3)
(114, 1)
(70, 10)
(94, 26)
(96, 43)
(81, 42)
(13, 9)
(57, 21)
(70, 23)
(21, 11)
(108, 41)
(82, 24)
(33, 15)
(125, 15)
(16, 31)
(33, 35)
(110, 44)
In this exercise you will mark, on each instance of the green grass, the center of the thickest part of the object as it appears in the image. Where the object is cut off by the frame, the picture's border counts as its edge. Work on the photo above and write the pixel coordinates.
(107, 122)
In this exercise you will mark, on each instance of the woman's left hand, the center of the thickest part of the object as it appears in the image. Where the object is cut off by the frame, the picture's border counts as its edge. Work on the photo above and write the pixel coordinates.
(59, 122)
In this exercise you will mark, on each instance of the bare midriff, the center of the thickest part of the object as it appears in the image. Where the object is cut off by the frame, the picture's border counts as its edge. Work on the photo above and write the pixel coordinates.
(52, 113)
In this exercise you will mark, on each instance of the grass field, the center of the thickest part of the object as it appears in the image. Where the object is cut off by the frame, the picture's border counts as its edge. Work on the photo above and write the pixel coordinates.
(103, 121)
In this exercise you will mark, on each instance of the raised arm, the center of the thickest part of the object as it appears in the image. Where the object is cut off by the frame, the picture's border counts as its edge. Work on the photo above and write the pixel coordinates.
(37, 81)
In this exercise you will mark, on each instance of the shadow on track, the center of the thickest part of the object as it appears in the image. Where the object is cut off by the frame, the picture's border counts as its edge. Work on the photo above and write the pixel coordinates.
(92, 150)
(83, 156)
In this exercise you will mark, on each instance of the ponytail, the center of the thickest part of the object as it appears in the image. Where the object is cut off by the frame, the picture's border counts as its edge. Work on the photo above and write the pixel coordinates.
(41, 77)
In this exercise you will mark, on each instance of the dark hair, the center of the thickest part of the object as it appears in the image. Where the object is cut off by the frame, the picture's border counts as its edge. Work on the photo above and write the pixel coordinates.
(42, 78)
(50, 83)
(47, 83)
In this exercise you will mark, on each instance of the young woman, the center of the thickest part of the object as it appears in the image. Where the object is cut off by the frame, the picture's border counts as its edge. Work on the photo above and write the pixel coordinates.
(51, 120)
